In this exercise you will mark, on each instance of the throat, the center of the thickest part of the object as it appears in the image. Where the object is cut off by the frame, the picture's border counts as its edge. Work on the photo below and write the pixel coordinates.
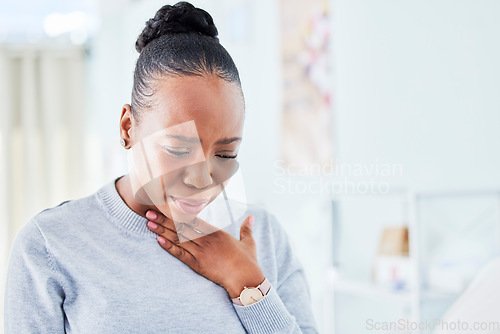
(124, 189)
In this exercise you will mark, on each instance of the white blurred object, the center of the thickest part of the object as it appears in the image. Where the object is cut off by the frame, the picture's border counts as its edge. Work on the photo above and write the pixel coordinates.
(455, 262)
(445, 279)
(479, 304)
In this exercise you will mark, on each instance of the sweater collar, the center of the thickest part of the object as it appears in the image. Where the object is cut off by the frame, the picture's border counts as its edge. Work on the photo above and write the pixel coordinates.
(121, 213)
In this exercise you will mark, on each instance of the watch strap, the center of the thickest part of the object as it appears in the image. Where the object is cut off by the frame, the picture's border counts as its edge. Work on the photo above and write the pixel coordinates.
(265, 286)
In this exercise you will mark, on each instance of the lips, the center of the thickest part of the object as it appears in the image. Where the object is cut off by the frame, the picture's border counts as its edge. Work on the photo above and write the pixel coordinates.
(190, 206)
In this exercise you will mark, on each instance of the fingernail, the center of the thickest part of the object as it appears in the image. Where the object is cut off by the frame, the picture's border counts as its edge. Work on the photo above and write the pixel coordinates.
(151, 215)
(152, 225)
(251, 220)
(161, 240)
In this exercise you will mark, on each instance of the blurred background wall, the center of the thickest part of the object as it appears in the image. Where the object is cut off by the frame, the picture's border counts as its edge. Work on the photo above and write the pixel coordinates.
(415, 110)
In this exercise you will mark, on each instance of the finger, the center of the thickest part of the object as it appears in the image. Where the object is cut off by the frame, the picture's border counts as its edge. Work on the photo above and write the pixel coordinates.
(179, 252)
(246, 229)
(169, 234)
(178, 236)
(160, 218)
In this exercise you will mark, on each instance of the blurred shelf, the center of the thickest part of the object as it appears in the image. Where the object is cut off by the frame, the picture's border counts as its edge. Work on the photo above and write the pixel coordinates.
(370, 290)
(376, 291)
(416, 293)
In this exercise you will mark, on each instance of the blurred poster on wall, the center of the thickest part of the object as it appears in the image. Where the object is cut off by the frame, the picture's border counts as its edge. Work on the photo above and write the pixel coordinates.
(306, 134)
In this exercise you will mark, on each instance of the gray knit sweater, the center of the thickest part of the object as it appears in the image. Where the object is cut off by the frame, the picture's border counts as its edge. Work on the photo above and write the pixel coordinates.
(91, 265)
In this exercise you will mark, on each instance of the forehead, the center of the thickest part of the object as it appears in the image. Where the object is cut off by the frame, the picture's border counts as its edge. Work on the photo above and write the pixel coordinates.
(215, 105)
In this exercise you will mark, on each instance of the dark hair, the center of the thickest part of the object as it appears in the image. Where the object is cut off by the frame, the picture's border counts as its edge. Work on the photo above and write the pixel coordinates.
(179, 40)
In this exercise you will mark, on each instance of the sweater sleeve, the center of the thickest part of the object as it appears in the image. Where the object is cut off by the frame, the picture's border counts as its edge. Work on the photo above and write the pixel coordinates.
(33, 294)
(287, 307)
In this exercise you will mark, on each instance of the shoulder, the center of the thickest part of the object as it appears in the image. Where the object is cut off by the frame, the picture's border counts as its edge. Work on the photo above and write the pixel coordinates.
(267, 228)
(55, 221)
(264, 218)
(29, 236)
(67, 212)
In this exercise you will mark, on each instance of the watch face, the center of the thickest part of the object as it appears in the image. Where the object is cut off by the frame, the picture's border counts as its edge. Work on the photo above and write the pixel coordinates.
(250, 296)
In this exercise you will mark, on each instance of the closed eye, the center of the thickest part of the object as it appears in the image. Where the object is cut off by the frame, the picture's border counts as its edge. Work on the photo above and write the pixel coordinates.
(222, 156)
(176, 153)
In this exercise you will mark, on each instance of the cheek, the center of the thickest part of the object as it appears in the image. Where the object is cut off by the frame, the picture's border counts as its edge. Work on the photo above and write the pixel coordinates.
(160, 164)
(173, 179)
(151, 175)
(223, 170)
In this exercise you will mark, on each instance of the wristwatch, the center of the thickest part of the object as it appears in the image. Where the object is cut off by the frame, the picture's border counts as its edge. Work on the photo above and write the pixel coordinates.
(251, 295)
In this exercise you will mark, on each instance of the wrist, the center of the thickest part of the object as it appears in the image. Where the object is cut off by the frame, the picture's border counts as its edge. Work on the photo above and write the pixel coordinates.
(234, 289)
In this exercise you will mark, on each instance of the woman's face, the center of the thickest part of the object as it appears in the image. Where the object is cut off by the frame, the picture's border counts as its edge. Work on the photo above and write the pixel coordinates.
(184, 147)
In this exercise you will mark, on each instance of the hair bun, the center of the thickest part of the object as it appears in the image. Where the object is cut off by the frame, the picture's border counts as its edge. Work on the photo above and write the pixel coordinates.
(182, 17)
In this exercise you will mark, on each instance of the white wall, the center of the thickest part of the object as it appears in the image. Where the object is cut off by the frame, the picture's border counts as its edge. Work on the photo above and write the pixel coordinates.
(417, 83)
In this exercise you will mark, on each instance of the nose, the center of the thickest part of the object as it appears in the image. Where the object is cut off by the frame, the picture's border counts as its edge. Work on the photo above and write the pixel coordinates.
(198, 175)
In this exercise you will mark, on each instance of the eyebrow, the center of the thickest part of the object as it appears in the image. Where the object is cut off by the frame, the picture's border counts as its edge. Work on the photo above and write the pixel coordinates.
(195, 140)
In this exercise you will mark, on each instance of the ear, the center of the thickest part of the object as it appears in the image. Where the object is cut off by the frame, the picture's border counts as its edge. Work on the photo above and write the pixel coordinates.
(126, 125)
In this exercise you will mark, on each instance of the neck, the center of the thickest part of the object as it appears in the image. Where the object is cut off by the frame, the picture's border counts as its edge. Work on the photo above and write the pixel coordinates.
(125, 191)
